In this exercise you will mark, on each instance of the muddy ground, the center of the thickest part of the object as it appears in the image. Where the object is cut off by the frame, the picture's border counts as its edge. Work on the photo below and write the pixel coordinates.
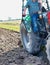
(12, 52)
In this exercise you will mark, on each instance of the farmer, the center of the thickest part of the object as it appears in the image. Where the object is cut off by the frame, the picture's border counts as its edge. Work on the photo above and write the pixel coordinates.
(33, 7)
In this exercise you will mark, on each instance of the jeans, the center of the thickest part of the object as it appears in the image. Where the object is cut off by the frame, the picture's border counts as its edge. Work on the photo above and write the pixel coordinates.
(34, 22)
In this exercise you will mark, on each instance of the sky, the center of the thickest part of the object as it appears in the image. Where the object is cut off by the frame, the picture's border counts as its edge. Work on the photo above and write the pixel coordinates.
(10, 8)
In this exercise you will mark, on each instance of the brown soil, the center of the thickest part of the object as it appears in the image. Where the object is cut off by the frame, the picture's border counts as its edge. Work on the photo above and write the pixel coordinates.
(12, 52)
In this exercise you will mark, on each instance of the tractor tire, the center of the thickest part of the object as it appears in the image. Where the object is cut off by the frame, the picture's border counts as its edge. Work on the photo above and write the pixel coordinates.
(30, 40)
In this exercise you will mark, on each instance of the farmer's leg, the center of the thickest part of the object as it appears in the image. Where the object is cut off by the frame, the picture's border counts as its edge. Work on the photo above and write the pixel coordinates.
(34, 23)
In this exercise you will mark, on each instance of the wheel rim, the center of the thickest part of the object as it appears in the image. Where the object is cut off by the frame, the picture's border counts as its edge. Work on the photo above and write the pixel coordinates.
(25, 37)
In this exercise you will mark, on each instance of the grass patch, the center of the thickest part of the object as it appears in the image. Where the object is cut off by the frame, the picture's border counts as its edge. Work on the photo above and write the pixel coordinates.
(11, 25)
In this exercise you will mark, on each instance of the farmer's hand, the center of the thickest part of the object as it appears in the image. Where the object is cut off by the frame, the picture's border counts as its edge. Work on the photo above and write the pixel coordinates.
(40, 15)
(39, 12)
(24, 12)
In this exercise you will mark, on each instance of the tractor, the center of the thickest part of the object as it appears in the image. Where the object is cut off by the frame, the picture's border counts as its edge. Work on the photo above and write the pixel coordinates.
(34, 42)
